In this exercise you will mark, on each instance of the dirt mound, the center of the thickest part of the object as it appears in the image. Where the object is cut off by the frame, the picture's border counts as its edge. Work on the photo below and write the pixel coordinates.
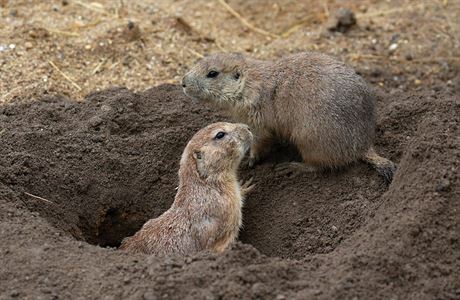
(74, 174)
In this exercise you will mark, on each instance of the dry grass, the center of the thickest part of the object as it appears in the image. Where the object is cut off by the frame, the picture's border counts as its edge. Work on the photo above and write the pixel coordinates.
(87, 46)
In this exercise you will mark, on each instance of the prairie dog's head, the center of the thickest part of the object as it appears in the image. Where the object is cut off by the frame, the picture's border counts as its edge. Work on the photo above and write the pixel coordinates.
(216, 149)
(219, 77)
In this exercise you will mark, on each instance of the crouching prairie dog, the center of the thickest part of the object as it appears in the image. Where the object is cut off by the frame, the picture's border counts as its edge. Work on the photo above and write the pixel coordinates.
(309, 99)
(206, 213)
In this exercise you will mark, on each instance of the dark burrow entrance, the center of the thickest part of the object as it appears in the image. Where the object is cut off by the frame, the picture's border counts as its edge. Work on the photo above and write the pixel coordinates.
(113, 227)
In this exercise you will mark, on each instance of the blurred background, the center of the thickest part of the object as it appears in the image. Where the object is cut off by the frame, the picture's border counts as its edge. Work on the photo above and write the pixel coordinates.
(75, 47)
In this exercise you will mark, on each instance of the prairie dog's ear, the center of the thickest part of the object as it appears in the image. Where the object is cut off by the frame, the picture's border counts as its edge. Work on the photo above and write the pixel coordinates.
(200, 165)
(197, 154)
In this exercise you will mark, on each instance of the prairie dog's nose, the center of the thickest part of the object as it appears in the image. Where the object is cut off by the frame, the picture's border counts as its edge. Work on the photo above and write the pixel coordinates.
(184, 85)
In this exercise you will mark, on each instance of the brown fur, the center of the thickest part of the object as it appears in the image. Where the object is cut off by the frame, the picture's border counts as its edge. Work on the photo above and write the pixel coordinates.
(206, 213)
(310, 99)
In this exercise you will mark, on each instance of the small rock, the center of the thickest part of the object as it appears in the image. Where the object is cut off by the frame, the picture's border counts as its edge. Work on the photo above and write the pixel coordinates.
(258, 288)
(131, 32)
(443, 185)
(409, 56)
(95, 121)
(393, 47)
(150, 296)
(131, 25)
(317, 292)
(14, 294)
(394, 38)
(65, 2)
(342, 20)
(28, 45)
(334, 228)
(280, 297)
(126, 60)
(376, 72)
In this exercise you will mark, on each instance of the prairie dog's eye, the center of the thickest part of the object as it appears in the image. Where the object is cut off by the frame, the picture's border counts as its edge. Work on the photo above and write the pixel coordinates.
(237, 75)
(219, 135)
(212, 74)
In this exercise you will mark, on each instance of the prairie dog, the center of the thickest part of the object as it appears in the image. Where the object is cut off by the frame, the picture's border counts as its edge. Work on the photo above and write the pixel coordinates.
(310, 99)
(206, 213)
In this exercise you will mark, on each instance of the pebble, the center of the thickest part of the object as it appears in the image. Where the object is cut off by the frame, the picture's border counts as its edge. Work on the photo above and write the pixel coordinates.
(150, 296)
(443, 185)
(342, 20)
(28, 45)
(14, 294)
(393, 47)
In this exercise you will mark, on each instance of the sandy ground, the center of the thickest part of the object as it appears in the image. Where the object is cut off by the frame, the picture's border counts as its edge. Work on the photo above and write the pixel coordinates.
(76, 47)
(84, 164)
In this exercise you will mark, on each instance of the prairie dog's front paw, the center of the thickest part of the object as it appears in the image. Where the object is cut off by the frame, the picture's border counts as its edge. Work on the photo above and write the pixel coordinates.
(246, 186)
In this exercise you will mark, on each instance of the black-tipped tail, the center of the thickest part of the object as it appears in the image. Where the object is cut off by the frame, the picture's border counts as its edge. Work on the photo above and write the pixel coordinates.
(385, 167)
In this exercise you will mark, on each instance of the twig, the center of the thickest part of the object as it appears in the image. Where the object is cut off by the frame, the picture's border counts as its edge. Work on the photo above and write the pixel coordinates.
(67, 33)
(326, 9)
(114, 65)
(195, 53)
(39, 198)
(296, 27)
(65, 76)
(389, 11)
(88, 25)
(168, 81)
(218, 44)
(452, 32)
(120, 9)
(94, 7)
(245, 22)
(99, 65)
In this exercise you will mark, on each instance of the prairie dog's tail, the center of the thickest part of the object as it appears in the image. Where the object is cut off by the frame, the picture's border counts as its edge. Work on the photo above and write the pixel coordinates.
(385, 167)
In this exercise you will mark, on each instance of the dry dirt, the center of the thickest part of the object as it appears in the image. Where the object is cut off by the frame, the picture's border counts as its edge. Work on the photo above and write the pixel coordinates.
(84, 164)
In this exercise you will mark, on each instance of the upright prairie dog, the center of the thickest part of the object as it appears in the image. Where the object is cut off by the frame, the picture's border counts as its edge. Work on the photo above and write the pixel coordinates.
(206, 213)
(310, 99)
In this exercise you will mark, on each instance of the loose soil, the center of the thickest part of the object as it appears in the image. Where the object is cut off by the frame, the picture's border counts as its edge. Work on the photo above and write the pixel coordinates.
(84, 164)
(105, 165)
